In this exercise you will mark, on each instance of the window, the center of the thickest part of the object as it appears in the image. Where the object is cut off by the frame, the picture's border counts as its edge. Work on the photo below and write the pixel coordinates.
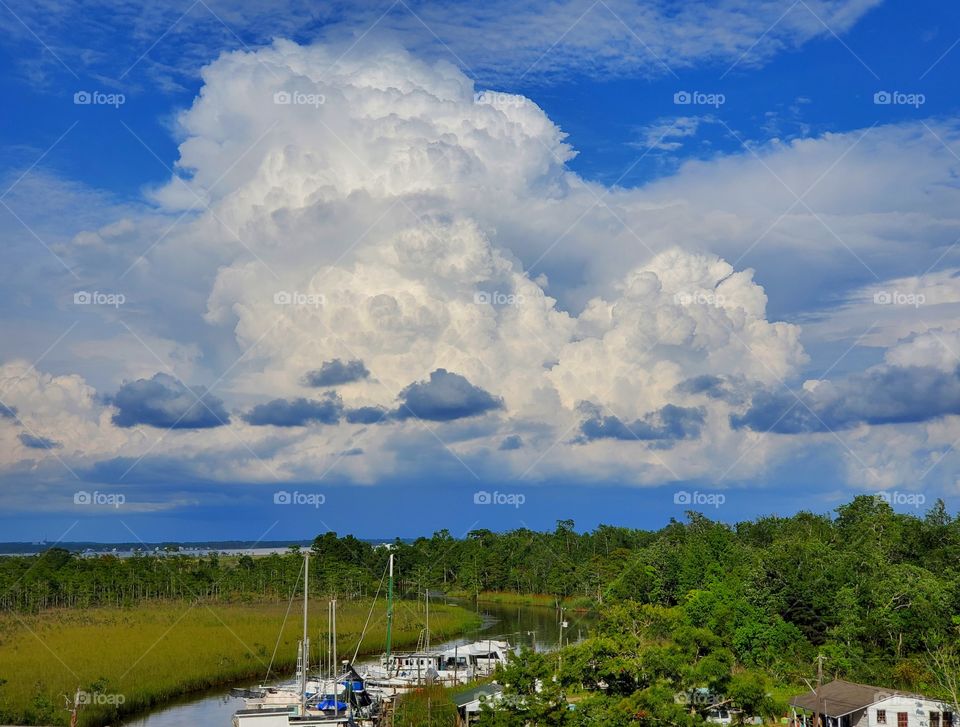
(881, 716)
(934, 719)
(948, 719)
(902, 719)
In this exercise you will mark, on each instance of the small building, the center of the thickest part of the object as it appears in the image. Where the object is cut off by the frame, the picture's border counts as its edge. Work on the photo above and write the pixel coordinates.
(469, 702)
(846, 704)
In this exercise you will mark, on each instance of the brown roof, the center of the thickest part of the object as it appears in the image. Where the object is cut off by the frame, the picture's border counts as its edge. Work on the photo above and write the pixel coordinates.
(839, 697)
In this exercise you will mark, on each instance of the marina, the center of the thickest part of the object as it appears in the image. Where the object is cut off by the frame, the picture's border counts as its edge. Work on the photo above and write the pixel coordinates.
(337, 693)
(534, 627)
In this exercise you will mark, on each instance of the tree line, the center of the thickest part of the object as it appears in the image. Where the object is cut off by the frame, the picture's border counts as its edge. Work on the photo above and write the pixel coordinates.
(868, 588)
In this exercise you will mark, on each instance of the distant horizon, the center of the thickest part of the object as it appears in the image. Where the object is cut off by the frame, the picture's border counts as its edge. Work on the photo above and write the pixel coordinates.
(637, 510)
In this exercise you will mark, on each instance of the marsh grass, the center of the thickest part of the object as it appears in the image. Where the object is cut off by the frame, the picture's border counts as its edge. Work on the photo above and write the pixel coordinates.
(153, 653)
(427, 707)
(579, 603)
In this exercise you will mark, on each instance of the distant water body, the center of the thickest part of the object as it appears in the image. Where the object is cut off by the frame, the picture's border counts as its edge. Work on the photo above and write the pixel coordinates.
(127, 550)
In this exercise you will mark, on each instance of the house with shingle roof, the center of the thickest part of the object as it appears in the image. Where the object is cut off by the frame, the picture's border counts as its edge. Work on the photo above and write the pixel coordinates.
(847, 704)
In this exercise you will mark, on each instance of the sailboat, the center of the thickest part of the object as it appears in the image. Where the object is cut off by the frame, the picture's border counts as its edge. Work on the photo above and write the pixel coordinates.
(401, 672)
(340, 698)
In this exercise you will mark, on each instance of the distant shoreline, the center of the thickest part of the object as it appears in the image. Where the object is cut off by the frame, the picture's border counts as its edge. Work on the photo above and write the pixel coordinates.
(228, 547)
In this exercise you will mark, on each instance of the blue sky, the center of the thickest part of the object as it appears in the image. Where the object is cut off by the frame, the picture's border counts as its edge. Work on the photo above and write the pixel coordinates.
(592, 253)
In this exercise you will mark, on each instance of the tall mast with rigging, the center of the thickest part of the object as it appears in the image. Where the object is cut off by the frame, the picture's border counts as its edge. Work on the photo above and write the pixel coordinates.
(389, 613)
(305, 644)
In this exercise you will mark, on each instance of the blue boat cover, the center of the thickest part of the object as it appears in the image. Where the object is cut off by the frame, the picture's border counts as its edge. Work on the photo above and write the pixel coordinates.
(330, 704)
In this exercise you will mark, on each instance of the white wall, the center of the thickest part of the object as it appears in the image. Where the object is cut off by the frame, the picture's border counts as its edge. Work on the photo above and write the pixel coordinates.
(918, 712)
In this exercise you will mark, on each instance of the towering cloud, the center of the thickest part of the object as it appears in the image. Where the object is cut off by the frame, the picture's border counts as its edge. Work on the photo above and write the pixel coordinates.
(426, 244)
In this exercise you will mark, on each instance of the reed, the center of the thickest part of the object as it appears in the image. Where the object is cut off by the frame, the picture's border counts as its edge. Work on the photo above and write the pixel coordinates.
(138, 658)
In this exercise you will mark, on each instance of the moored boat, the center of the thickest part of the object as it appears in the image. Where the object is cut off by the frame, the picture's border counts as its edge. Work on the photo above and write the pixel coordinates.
(341, 698)
(400, 672)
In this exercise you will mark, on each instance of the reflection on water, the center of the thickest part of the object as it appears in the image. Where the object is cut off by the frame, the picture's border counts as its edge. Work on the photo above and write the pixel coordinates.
(537, 627)
(209, 711)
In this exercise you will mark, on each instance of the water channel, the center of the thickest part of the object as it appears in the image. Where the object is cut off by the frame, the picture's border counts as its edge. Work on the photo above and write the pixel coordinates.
(537, 627)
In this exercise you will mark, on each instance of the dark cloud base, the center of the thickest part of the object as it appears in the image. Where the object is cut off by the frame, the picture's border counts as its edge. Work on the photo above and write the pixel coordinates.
(882, 395)
(445, 397)
(336, 373)
(35, 441)
(166, 403)
(296, 412)
(668, 424)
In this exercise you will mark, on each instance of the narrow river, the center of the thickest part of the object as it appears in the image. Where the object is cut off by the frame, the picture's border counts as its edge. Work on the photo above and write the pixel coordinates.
(533, 626)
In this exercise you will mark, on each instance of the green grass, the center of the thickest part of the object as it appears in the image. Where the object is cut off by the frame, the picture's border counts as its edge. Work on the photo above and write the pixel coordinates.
(153, 653)
(427, 707)
(430, 706)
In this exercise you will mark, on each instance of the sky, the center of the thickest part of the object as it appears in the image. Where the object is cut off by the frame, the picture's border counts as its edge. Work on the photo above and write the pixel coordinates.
(272, 269)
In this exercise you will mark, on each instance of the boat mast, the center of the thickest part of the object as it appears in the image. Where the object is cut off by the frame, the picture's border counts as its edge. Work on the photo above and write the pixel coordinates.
(389, 613)
(304, 646)
(333, 657)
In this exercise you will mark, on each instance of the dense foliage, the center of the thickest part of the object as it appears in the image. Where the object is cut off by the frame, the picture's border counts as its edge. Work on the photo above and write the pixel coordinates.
(869, 589)
(705, 615)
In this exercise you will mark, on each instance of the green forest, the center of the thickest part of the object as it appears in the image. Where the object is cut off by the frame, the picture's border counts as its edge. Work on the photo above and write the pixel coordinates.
(744, 610)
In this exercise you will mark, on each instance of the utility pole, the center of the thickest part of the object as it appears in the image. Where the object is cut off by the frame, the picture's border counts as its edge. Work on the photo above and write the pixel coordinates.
(560, 650)
(820, 660)
(563, 625)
